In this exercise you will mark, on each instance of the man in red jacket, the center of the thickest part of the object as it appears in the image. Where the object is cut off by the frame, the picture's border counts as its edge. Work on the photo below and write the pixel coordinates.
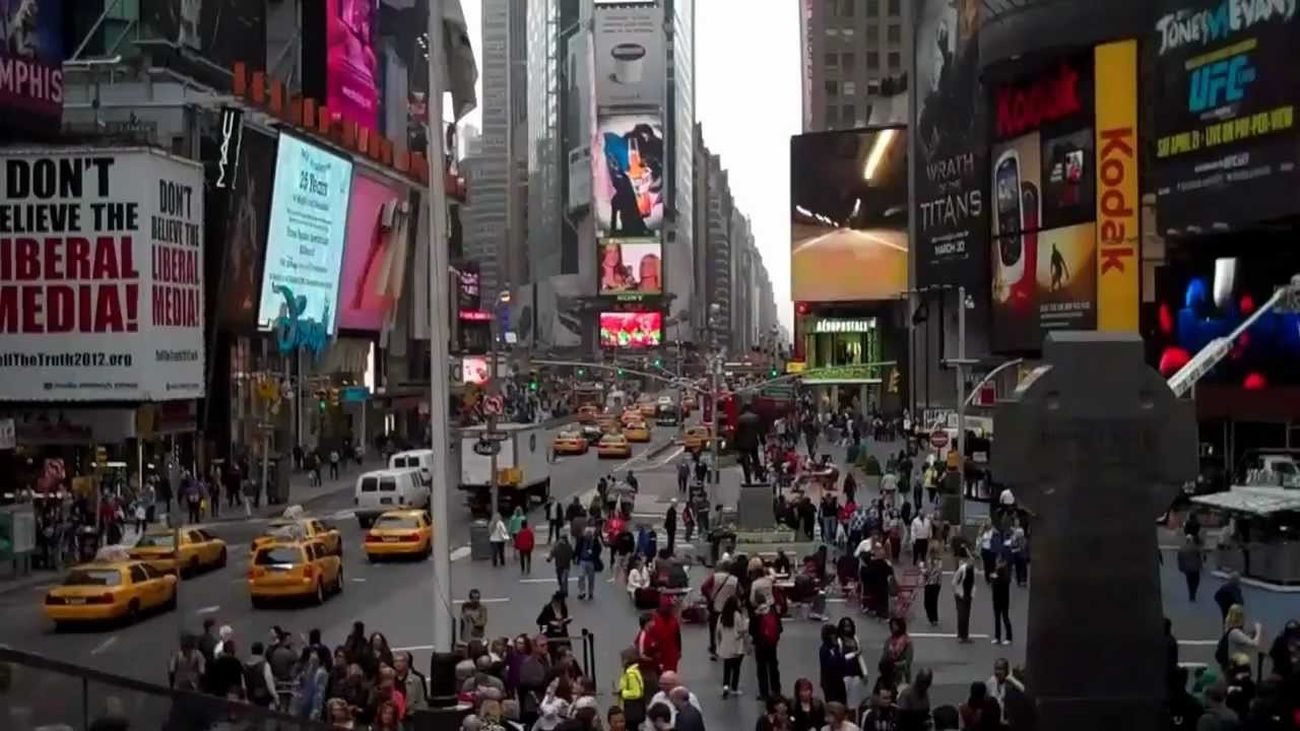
(666, 634)
(525, 541)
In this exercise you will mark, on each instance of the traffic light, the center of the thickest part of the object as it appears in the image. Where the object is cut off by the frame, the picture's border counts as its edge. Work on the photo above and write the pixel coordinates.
(321, 400)
(334, 397)
(532, 383)
(893, 380)
(658, 363)
(772, 372)
(619, 373)
(582, 372)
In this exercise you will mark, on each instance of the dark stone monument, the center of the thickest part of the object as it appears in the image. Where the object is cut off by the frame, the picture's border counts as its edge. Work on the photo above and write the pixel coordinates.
(1094, 443)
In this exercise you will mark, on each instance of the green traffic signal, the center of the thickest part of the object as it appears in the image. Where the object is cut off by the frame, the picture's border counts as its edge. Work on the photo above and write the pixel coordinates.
(532, 385)
(321, 405)
(772, 373)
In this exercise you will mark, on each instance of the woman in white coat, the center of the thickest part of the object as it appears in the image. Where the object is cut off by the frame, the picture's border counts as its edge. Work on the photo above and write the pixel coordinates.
(731, 631)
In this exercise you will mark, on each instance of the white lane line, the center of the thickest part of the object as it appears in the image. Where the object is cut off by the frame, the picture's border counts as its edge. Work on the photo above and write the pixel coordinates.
(101, 647)
(358, 580)
(544, 581)
(1198, 643)
(209, 610)
(493, 600)
(460, 554)
(412, 648)
(943, 636)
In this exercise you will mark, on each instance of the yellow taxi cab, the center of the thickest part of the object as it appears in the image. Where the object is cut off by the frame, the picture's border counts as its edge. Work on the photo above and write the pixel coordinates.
(400, 533)
(647, 408)
(630, 415)
(587, 414)
(609, 423)
(104, 590)
(613, 445)
(307, 529)
(199, 550)
(294, 569)
(696, 438)
(569, 442)
(637, 431)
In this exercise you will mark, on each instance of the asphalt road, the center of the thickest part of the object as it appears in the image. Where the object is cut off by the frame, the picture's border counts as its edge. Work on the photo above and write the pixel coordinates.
(393, 598)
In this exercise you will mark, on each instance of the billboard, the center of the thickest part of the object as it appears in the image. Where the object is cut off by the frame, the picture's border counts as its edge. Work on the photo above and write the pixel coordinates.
(364, 294)
(950, 165)
(627, 171)
(1224, 102)
(631, 267)
(1116, 145)
(631, 329)
(351, 65)
(1043, 206)
(101, 276)
(249, 218)
(631, 68)
(475, 369)
(848, 215)
(304, 247)
(31, 64)
(223, 31)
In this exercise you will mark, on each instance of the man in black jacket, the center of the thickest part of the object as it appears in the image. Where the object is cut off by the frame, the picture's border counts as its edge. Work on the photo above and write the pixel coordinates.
(689, 717)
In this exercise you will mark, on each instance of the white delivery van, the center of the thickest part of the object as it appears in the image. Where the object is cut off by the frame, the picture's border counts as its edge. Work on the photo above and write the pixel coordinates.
(420, 459)
(523, 470)
(382, 490)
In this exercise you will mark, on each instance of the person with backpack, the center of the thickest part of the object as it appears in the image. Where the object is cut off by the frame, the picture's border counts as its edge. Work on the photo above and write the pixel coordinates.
(187, 666)
(765, 628)
(258, 681)
(720, 586)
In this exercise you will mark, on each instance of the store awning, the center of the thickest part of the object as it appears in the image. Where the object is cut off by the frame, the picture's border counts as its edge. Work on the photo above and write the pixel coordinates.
(1253, 500)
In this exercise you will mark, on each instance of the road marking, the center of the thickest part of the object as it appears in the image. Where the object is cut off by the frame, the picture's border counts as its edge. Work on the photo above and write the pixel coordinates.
(943, 636)
(493, 600)
(101, 647)
(551, 580)
(209, 610)
(358, 580)
(412, 648)
(459, 554)
(1198, 643)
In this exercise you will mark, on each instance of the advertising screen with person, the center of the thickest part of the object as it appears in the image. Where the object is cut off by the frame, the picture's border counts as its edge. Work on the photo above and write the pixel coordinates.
(475, 369)
(628, 176)
(848, 211)
(631, 329)
(364, 292)
(631, 267)
(304, 246)
(352, 86)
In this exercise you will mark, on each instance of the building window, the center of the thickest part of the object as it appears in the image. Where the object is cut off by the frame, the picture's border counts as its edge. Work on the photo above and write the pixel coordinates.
(847, 61)
(849, 88)
(832, 31)
(846, 7)
(873, 86)
(832, 60)
(873, 61)
(846, 32)
(847, 113)
(894, 8)
(895, 60)
(895, 34)
(832, 88)
(832, 116)
(873, 7)
(873, 32)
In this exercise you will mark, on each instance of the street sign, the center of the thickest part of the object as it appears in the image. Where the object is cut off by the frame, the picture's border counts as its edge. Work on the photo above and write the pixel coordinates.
(494, 405)
(487, 448)
(939, 439)
(494, 436)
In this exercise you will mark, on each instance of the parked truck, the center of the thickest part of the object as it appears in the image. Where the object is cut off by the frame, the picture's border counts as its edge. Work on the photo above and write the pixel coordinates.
(523, 470)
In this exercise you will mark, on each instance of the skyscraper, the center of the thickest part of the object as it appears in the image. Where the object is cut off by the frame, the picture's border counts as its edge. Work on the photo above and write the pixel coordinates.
(854, 56)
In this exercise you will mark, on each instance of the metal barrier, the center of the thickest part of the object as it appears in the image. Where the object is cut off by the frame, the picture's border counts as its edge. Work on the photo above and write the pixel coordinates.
(37, 692)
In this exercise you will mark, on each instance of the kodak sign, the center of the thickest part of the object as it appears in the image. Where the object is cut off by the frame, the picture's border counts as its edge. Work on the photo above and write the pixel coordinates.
(1118, 242)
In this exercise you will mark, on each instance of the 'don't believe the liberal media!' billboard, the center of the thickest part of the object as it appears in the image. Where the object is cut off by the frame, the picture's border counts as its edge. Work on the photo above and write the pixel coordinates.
(101, 276)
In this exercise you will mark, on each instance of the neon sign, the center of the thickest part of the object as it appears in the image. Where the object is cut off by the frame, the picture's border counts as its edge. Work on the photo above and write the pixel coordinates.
(293, 330)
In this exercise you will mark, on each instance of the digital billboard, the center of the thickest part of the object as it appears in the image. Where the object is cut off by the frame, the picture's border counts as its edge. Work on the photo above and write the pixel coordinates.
(630, 55)
(631, 267)
(31, 64)
(304, 247)
(1224, 99)
(631, 329)
(475, 369)
(848, 209)
(249, 220)
(364, 293)
(951, 166)
(351, 64)
(1042, 206)
(627, 171)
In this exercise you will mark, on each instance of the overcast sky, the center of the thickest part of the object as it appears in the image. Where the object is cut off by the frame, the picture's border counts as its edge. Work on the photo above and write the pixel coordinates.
(747, 96)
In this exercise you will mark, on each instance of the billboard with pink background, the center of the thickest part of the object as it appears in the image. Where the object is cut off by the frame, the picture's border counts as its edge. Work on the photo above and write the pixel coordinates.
(352, 79)
(364, 292)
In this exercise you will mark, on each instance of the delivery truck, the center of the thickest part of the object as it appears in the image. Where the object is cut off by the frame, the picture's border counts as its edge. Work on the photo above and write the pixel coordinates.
(523, 470)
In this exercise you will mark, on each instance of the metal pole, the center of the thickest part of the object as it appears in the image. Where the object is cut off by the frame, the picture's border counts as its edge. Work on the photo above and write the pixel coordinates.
(491, 427)
(960, 442)
(717, 371)
(439, 328)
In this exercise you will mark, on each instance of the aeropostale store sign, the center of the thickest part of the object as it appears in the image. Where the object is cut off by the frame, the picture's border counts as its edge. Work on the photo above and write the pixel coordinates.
(101, 281)
(844, 326)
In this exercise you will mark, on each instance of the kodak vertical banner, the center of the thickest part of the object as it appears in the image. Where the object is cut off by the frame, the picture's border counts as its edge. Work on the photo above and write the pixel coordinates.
(1118, 243)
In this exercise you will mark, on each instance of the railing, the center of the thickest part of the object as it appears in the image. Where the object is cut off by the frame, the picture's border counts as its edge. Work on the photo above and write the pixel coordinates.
(37, 692)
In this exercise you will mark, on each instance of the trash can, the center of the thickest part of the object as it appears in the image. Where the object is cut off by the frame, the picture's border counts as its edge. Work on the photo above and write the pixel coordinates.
(480, 547)
(721, 540)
